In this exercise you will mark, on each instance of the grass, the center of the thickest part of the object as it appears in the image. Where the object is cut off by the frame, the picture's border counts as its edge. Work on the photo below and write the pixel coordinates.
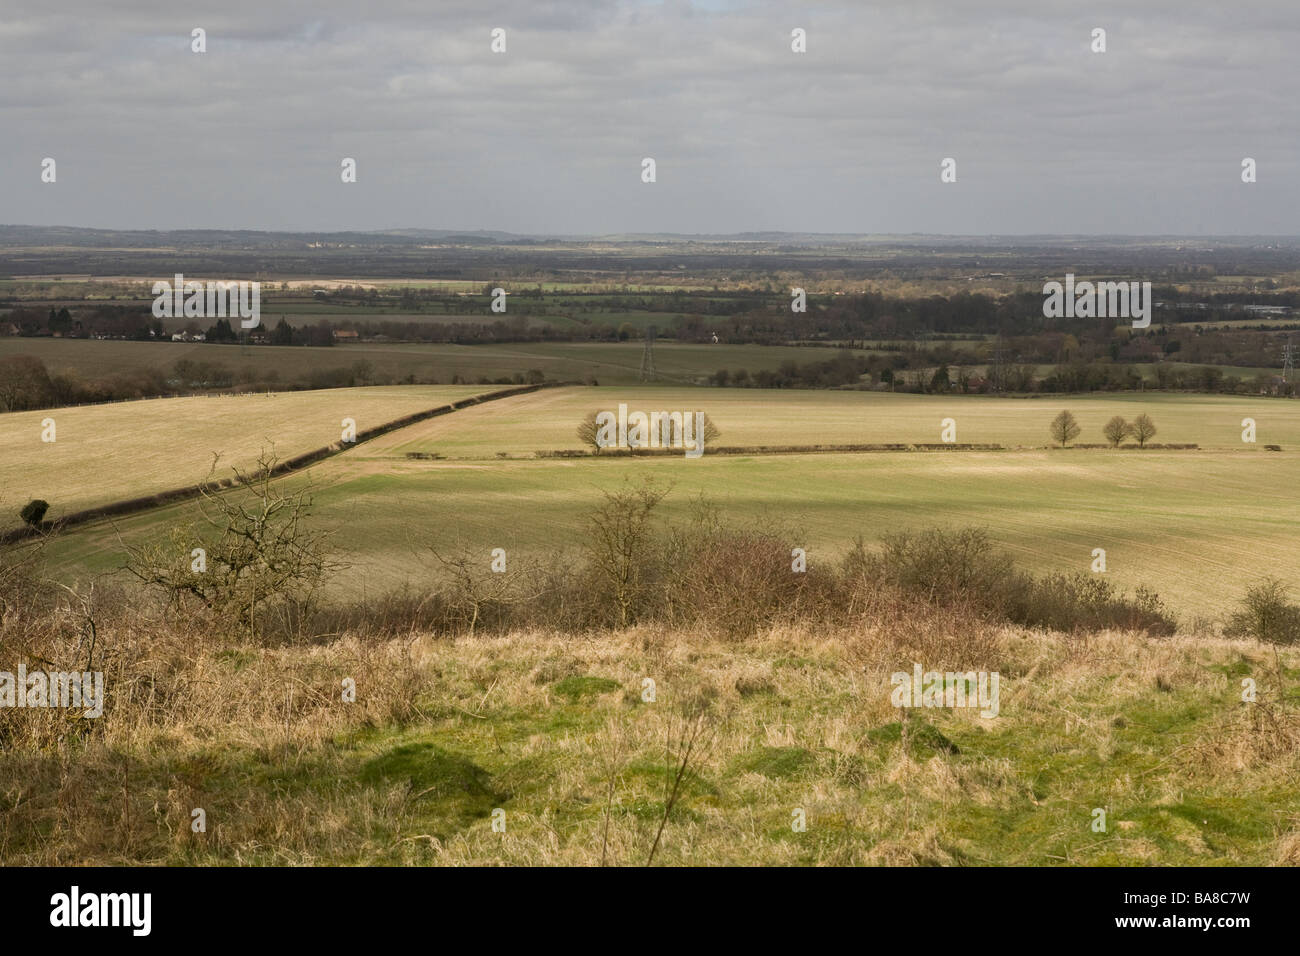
(684, 363)
(748, 417)
(444, 733)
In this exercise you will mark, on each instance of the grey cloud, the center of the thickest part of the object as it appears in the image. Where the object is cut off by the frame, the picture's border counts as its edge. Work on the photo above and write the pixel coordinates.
(1049, 137)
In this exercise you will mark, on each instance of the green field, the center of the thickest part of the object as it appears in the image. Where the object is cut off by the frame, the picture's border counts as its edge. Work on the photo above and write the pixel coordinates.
(1198, 526)
(560, 361)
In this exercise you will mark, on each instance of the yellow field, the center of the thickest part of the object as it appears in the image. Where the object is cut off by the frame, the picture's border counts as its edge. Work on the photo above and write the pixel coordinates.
(546, 420)
(104, 453)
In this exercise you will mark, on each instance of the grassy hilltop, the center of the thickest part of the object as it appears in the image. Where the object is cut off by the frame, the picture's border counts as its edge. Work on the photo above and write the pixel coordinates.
(554, 732)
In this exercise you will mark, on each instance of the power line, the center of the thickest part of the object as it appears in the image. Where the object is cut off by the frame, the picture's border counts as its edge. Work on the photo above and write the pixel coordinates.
(999, 364)
(648, 372)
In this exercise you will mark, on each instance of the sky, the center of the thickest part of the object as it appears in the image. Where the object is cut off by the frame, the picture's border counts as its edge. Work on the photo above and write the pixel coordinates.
(548, 137)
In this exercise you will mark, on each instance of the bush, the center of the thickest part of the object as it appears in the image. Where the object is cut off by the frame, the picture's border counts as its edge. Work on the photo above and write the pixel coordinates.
(1267, 615)
(33, 512)
(951, 567)
(1083, 601)
(738, 580)
(620, 549)
(964, 569)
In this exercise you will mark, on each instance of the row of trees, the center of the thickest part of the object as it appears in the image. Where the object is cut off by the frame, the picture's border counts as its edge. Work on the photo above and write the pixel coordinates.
(932, 370)
(1065, 429)
(589, 433)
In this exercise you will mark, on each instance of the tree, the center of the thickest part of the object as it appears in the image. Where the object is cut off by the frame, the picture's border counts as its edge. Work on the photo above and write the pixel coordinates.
(1065, 428)
(1116, 430)
(476, 592)
(222, 331)
(24, 383)
(1021, 377)
(282, 334)
(620, 543)
(587, 432)
(711, 431)
(256, 551)
(363, 372)
(1143, 428)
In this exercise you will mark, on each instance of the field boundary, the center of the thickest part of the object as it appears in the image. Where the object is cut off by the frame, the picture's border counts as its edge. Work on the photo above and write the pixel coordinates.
(296, 463)
(834, 449)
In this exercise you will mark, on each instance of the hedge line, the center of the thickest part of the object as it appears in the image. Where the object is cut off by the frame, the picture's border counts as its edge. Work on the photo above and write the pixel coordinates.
(147, 502)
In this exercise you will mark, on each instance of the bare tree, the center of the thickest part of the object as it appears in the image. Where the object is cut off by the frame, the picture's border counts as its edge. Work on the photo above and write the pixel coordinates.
(588, 432)
(478, 590)
(619, 544)
(250, 549)
(1116, 430)
(1143, 429)
(1065, 428)
(711, 431)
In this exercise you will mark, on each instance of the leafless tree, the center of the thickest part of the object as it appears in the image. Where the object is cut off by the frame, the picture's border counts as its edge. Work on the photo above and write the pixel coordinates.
(619, 544)
(1065, 428)
(1143, 429)
(253, 546)
(1116, 430)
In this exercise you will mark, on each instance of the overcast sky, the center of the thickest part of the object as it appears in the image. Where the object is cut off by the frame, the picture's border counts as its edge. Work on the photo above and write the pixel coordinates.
(1048, 137)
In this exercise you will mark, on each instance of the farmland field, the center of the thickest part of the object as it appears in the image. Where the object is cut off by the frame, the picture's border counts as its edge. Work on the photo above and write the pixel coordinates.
(546, 420)
(560, 361)
(105, 453)
(1197, 526)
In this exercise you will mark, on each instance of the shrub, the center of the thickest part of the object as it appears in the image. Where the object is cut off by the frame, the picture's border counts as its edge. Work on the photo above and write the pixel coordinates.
(1267, 615)
(1083, 601)
(620, 548)
(33, 512)
(256, 556)
(950, 567)
(739, 580)
(963, 569)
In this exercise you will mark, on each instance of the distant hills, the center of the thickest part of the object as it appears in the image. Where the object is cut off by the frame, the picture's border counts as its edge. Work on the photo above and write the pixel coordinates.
(247, 239)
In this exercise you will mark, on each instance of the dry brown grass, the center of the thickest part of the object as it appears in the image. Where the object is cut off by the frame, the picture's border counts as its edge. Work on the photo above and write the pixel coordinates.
(445, 730)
